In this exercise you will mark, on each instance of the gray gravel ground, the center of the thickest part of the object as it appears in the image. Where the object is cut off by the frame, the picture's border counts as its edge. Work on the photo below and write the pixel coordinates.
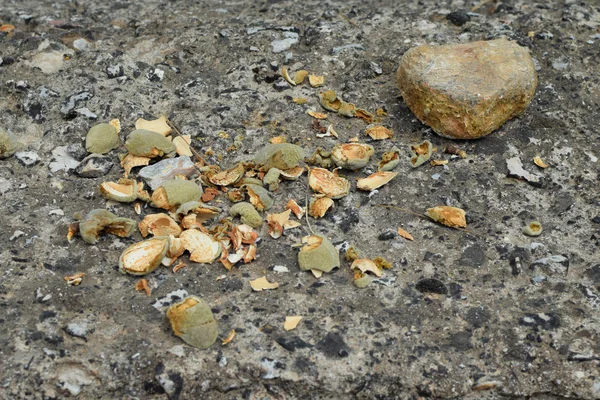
(517, 312)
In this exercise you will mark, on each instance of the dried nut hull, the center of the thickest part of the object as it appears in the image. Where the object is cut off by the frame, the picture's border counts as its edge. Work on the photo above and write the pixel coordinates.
(247, 214)
(281, 155)
(466, 91)
(319, 254)
(259, 197)
(192, 320)
(422, 153)
(325, 182)
(143, 257)
(101, 139)
(149, 144)
(8, 144)
(171, 194)
(352, 155)
(100, 220)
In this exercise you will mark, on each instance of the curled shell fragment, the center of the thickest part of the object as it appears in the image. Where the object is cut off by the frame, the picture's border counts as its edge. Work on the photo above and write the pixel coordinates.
(125, 191)
(143, 257)
(319, 206)
(202, 247)
(421, 153)
(453, 217)
(159, 225)
(378, 132)
(328, 183)
(376, 180)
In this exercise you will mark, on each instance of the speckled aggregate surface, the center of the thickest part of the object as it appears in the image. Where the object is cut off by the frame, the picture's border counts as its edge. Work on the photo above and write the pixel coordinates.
(517, 312)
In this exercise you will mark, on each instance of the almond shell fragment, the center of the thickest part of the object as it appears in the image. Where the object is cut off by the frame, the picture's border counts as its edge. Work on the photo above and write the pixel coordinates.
(99, 220)
(325, 182)
(352, 155)
(376, 180)
(202, 247)
(143, 257)
(453, 217)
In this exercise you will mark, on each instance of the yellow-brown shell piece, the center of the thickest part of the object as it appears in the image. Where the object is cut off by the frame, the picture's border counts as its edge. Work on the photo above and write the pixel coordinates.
(328, 183)
(202, 247)
(378, 132)
(316, 115)
(296, 209)
(125, 191)
(365, 265)
(292, 174)
(159, 125)
(229, 177)
(192, 320)
(453, 217)
(130, 161)
(316, 81)
(352, 155)
(537, 160)
(376, 180)
(319, 206)
(330, 101)
(143, 257)
(159, 225)
(534, 228)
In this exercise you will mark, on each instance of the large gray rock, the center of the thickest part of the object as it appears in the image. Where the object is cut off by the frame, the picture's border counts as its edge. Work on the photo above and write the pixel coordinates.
(466, 91)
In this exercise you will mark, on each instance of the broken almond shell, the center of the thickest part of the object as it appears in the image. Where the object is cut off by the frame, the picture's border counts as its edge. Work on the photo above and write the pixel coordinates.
(376, 180)
(325, 182)
(143, 257)
(450, 216)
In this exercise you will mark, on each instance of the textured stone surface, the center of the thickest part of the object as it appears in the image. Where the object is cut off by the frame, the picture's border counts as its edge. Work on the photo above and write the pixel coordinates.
(466, 91)
(499, 320)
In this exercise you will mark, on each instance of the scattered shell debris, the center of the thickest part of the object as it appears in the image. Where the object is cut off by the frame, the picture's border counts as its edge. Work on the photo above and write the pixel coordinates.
(453, 217)
(74, 280)
(421, 153)
(405, 234)
(291, 322)
(534, 228)
(260, 284)
(229, 338)
(537, 160)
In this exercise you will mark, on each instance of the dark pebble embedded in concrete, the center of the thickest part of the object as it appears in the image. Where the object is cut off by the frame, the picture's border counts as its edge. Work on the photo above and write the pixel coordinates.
(292, 343)
(281, 84)
(473, 256)
(458, 17)
(333, 346)
(431, 285)
(478, 316)
(94, 166)
(114, 71)
(387, 235)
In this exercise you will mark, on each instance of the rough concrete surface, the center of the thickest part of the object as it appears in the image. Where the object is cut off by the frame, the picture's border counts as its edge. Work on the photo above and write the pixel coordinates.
(516, 312)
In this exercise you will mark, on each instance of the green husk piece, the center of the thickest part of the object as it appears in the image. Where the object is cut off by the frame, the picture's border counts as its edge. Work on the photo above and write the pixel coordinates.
(174, 192)
(192, 320)
(279, 155)
(318, 253)
(272, 179)
(8, 144)
(259, 197)
(102, 138)
(99, 220)
(247, 214)
(390, 159)
(363, 281)
(151, 144)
